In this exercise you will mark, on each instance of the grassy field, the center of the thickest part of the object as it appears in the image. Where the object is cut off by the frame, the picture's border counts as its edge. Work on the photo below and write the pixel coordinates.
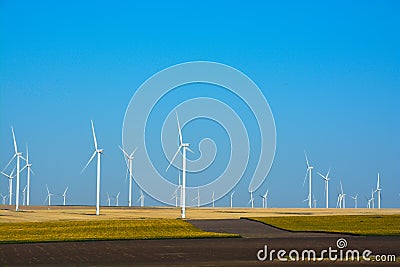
(352, 224)
(100, 230)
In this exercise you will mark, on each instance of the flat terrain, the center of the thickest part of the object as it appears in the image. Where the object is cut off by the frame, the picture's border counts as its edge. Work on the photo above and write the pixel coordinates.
(61, 213)
(188, 252)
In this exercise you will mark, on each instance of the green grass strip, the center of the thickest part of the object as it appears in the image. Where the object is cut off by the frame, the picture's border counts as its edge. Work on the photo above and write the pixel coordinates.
(28, 232)
(351, 224)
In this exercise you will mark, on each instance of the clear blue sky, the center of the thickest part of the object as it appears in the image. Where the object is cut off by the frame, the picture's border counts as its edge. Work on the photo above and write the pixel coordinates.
(330, 71)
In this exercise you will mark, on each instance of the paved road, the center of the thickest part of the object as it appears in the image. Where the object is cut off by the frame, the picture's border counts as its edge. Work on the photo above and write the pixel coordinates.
(195, 252)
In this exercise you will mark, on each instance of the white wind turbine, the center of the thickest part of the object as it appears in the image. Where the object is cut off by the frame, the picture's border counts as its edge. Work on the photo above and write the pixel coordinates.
(231, 196)
(309, 172)
(175, 194)
(315, 202)
(116, 199)
(10, 184)
(372, 199)
(141, 198)
(355, 200)
(64, 195)
(265, 199)
(108, 200)
(28, 166)
(17, 155)
(251, 199)
(23, 195)
(326, 179)
(197, 198)
(342, 197)
(378, 190)
(99, 152)
(184, 146)
(48, 196)
(213, 199)
(4, 197)
(129, 158)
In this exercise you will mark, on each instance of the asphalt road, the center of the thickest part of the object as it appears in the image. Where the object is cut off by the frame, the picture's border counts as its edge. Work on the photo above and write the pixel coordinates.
(195, 252)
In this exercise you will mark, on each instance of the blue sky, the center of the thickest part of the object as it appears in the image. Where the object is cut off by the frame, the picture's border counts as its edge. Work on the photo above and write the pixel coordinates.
(329, 70)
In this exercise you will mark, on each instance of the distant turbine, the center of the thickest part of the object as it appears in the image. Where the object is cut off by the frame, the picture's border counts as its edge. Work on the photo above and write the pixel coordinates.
(64, 195)
(265, 199)
(315, 203)
(378, 190)
(108, 200)
(197, 198)
(372, 199)
(309, 172)
(231, 196)
(10, 184)
(23, 195)
(4, 198)
(129, 158)
(17, 155)
(28, 166)
(251, 199)
(116, 199)
(175, 194)
(184, 146)
(141, 198)
(99, 152)
(342, 197)
(326, 179)
(355, 200)
(48, 196)
(213, 199)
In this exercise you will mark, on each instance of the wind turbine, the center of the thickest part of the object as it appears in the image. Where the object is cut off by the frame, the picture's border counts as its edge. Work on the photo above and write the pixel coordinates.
(48, 196)
(265, 199)
(355, 200)
(326, 179)
(141, 198)
(23, 195)
(213, 199)
(175, 194)
(64, 195)
(108, 200)
(17, 155)
(116, 199)
(197, 198)
(342, 197)
(184, 146)
(28, 166)
(99, 152)
(231, 196)
(130, 158)
(372, 199)
(315, 202)
(4, 198)
(10, 184)
(251, 199)
(378, 190)
(309, 172)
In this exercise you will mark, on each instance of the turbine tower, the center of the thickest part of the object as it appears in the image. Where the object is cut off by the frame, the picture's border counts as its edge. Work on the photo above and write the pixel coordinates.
(99, 152)
(309, 172)
(129, 158)
(64, 195)
(342, 197)
(265, 199)
(116, 199)
(213, 199)
(197, 198)
(378, 190)
(23, 195)
(372, 199)
(184, 146)
(141, 198)
(355, 200)
(251, 199)
(231, 196)
(28, 166)
(108, 200)
(326, 179)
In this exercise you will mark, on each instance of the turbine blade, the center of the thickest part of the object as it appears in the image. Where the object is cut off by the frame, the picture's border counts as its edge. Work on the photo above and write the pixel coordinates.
(321, 175)
(15, 142)
(91, 158)
(133, 153)
(65, 192)
(123, 151)
(305, 177)
(329, 171)
(48, 192)
(189, 149)
(179, 129)
(94, 135)
(176, 154)
(8, 164)
(305, 154)
(27, 154)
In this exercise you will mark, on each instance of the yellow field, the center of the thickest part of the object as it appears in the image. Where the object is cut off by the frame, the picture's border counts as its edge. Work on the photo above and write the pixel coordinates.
(77, 213)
